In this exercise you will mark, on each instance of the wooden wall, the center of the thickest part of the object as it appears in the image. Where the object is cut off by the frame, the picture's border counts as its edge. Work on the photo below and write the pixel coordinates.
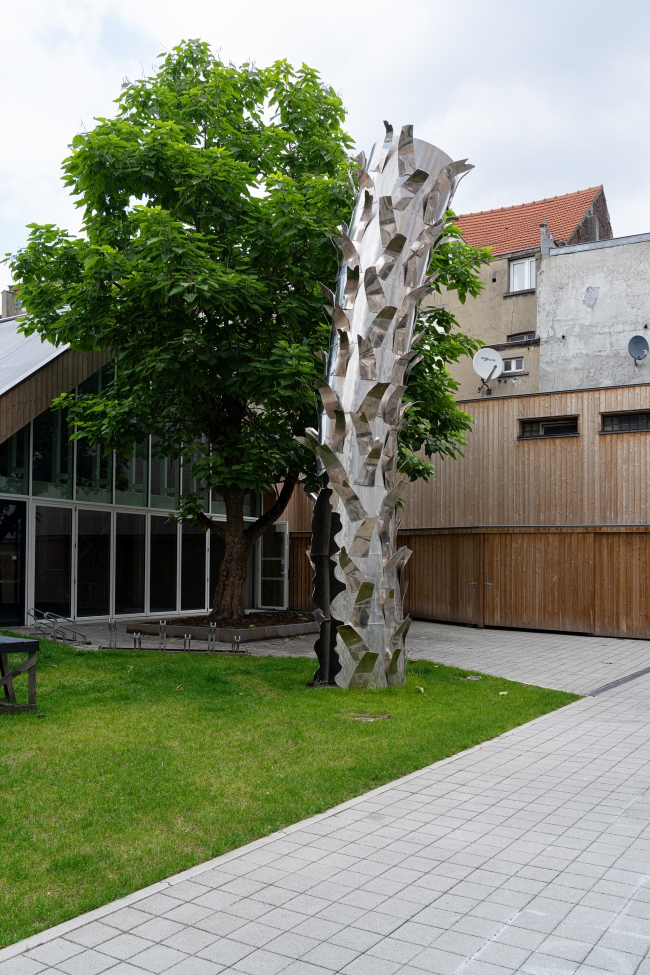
(300, 573)
(32, 397)
(549, 534)
(591, 479)
(578, 580)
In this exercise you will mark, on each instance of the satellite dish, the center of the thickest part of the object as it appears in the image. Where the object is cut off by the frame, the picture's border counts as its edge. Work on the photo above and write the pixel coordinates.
(638, 348)
(488, 364)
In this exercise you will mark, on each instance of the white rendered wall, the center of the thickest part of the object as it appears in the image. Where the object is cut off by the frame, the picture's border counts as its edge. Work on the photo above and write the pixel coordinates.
(591, 300)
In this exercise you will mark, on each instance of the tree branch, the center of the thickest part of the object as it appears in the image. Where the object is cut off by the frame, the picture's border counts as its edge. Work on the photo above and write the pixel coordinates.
(259, 527)
(213, 526)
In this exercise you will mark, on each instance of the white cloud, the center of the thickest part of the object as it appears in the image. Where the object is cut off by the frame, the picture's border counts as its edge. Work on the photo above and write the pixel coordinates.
(543, 100)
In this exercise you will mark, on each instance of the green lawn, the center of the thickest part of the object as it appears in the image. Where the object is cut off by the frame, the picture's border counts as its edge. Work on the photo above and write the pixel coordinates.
(127, 779)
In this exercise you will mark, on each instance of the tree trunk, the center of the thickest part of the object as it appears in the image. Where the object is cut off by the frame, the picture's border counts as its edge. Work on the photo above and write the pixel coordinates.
(239, 538)
(228, 600)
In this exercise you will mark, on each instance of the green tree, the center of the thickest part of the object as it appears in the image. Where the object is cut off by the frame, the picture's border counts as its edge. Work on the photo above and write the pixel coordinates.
(209, 204)
(435, 424)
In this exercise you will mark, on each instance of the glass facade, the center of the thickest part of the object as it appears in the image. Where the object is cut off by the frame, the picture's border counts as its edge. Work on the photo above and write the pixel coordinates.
(93, 562)
(164, 480)
(129, 562)
(14, 463)
(132, 477)
(13, 525)
(52, 456)
(53, 560)
(84, 535)
(193, 544)
(162, 585)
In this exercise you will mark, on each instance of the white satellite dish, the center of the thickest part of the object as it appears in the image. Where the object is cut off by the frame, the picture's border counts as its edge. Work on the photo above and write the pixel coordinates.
(488, 364)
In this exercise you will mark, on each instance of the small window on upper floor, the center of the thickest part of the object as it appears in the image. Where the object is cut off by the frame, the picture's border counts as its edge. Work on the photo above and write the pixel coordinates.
(513, 365)
(557, 426)
(522, 274)
(625, 422)
(521, 337)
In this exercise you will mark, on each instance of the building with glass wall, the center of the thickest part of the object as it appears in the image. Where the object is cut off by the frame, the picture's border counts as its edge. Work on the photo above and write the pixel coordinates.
(86, 535)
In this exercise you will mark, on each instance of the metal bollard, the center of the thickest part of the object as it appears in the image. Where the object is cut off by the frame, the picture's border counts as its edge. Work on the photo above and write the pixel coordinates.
(137, 641)
(112, 633)
(236, 644)
(187, 640)
(162, 635)
(212, 637)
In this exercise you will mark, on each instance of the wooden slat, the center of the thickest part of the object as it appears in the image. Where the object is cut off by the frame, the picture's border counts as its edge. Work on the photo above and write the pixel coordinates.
(592, 479)
(300, 573)
(32, 397)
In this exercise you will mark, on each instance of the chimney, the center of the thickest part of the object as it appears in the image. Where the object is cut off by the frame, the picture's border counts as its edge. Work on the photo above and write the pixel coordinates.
(546, 239)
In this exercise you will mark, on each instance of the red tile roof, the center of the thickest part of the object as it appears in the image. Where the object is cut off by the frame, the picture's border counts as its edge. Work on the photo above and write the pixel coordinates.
(517, 228)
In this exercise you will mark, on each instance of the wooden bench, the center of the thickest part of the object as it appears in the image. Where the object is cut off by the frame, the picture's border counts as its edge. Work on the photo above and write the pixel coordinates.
(11, 644)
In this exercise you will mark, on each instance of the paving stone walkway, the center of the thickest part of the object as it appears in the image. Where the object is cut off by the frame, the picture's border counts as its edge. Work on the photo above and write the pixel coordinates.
(529, 853)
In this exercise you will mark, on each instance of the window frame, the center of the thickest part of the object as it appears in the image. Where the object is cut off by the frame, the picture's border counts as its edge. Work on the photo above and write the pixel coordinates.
(550, 420)
(528, 262)
(624, 413)
(522, 337)
(515, 371)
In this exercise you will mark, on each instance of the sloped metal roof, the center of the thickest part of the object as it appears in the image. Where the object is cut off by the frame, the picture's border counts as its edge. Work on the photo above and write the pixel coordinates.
(21, 355)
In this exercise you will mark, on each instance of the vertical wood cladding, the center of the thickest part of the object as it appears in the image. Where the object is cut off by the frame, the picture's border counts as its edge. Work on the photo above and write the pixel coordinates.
(300, 573)
(32, 397)
(590, 479)
(549, 534)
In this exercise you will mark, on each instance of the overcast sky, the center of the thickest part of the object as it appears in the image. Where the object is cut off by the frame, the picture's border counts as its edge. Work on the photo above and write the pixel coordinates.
(543, 98)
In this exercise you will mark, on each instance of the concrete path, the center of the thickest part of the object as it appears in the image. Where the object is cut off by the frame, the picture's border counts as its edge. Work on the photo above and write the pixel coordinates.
(564, 661)
(529, 853)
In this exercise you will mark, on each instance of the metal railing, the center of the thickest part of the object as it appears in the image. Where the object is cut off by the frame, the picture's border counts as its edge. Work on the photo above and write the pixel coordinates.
(55, 627)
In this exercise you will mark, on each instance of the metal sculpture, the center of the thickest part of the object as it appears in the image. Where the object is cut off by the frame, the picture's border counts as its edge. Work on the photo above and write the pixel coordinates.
(404, 193)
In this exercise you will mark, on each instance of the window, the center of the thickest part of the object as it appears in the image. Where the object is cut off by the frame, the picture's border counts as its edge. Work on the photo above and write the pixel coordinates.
(521, 337)
(559, 426)
(522, 274)
(513, 365)
(162, 579)
(93, 562)
(52, 456)
(53, 559)
(192, 566)
(14, 463)
(131, 473)
(164, 479)
(129, 558)
(626, 422)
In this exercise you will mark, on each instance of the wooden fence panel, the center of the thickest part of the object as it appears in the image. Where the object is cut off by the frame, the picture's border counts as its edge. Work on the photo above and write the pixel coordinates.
(300, 573)
(443, 576)
(539, 580)
(572, 580)
(622, 599)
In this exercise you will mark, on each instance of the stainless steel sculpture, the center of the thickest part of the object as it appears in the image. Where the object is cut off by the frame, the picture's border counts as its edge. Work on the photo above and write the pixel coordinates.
(405, 189)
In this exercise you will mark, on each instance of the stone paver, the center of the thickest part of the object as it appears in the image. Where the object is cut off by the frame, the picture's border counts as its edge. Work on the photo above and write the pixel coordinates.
(567, 662)
(529, 853)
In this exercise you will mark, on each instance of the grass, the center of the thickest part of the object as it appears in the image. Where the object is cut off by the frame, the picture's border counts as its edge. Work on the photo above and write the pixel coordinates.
(128, 778)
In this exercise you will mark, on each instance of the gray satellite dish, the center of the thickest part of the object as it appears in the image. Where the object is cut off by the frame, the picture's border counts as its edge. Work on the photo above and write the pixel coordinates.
(488, 364)
(638, 348)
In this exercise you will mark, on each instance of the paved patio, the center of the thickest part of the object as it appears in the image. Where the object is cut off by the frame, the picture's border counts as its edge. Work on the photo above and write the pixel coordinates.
(529, 853)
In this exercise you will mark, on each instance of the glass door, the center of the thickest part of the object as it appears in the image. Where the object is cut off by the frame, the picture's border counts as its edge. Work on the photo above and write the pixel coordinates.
(12, 563)
(273, 565)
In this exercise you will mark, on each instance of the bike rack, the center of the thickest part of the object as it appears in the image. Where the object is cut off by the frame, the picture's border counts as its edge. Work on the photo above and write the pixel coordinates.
(61, 628)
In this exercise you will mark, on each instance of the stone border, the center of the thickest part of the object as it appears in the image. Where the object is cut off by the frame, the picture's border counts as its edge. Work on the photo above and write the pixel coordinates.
(246, 634)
